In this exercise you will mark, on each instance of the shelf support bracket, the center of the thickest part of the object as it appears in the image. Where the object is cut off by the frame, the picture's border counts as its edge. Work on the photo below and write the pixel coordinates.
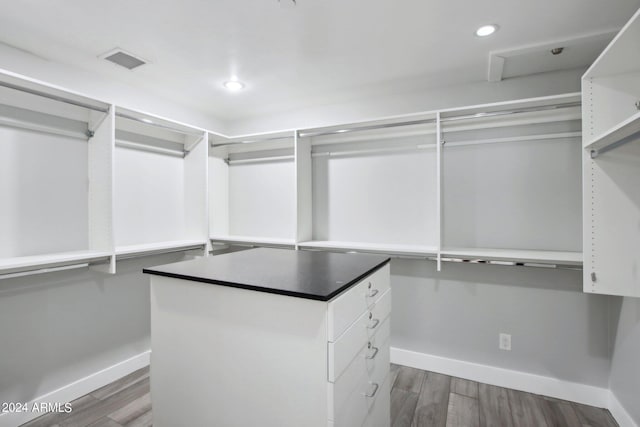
(624, 141)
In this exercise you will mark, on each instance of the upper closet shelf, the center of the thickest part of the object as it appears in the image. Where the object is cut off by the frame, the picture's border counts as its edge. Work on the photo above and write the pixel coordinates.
(47, 262)
(620, 134)
(35, 106)
(254, 241)
(35, 89)
(621, 56)
(148, 132)
(133, 251)
(376, 248)
(508, 256)
(556, 108)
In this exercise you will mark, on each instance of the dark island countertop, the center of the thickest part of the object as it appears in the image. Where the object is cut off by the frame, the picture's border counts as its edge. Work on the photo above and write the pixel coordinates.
(304, 274)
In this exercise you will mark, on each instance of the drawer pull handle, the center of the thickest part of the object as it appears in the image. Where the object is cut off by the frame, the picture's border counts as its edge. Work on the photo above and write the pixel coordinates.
(372, 322)
(373, 354)
(375, 390)
(372, 293)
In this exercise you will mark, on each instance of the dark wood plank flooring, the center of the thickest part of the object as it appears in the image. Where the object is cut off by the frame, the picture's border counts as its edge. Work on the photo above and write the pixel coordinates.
(418, 399)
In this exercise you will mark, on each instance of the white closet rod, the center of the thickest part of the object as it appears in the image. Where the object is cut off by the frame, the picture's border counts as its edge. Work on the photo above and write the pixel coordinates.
(150, 148)
(372, 150)
(258, 160)
(158, 125)
(19, 124)
(549, 136)
(476, 260)
(250, 141)
(510, 112)
(462, 260)
(43, 271)
(346, 129)
(446, 119)
(349, 251)
(141, 254)
(363, 128)
(624, 141)
(54, 97)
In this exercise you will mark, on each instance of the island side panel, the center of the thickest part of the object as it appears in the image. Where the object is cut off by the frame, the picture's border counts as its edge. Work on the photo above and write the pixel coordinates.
(234, 357)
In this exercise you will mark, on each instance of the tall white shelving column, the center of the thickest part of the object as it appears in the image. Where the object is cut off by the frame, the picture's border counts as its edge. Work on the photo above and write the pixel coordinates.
(196, 182)
(101, 164)
(439, 189)
(304, 226)
(611, 167)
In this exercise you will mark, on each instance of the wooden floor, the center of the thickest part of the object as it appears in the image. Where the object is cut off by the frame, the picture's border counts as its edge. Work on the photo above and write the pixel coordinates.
(418, 398)
(125, 402)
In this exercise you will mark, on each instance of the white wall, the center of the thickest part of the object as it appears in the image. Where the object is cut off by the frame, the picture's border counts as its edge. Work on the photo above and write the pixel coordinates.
(21, 62)
(58, 328)
(557, 331)
(52, 171)
(413, 100)
(625, 363)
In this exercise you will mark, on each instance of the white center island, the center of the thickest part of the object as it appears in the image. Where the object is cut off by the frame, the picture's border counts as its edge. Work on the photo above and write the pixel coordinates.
(271, 337)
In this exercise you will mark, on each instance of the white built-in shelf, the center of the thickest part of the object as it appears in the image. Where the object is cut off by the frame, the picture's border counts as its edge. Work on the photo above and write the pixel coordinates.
(46, 261)
(254, 241)
(376, 248)
(132, 251)
(611, 214)
(620, 56)
(615, 134)
(515, 255)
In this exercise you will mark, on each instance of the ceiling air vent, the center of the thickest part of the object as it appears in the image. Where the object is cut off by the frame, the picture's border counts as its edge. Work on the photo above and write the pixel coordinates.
(123, 59)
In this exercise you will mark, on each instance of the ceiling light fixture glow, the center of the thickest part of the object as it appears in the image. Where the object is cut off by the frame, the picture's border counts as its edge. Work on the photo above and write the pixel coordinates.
(233, 85)
(486, 30)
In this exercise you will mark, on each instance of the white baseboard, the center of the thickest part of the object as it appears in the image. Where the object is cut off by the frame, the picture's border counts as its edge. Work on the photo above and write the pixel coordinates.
(619, 413)
(78, 388)
(537, 384)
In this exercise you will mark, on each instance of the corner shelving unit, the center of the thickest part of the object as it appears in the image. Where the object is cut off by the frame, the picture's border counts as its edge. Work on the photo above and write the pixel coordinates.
(611, 167)
(160, 185)
(252, 190)
(370, 187)
(53, 216)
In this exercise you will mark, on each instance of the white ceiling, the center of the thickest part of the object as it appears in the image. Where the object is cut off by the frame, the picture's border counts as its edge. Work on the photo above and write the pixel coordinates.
(319, 52)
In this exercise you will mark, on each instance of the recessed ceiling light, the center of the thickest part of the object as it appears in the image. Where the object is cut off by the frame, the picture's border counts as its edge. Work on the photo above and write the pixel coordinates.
(233, 85)
(486, 30)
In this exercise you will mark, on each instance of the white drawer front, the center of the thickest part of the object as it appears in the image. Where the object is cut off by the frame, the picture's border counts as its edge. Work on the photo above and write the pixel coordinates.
(380, 414)
(353, 395)
(346, 308)
(370, 327)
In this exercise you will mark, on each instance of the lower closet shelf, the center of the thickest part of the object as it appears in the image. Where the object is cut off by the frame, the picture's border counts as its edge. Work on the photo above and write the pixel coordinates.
(10, 266)
(380, 248)
(515, 255)
(254, 241)
(132, 251)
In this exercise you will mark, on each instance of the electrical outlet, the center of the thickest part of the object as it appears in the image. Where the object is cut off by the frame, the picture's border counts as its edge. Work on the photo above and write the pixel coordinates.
(505, 342)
